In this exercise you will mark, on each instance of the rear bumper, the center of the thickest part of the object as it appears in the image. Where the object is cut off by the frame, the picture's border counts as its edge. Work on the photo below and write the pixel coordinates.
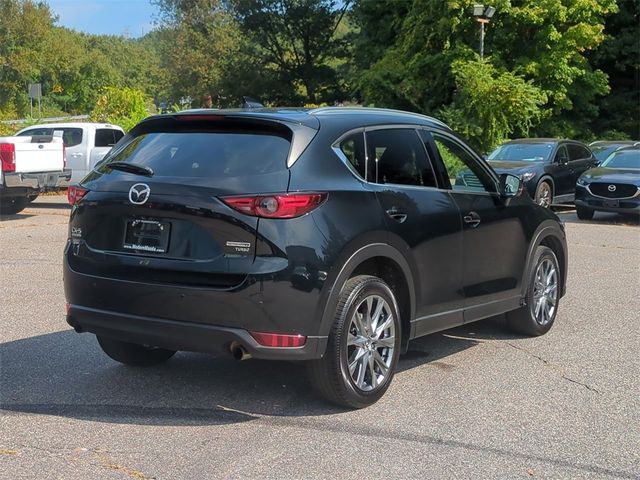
(37, 180)
(195, 318)
(187, 336)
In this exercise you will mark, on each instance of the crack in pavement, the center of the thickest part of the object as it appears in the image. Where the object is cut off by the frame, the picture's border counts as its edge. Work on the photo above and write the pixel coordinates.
(553, 366)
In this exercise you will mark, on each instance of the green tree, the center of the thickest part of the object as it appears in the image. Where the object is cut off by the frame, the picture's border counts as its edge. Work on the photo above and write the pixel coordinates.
(542, 42)
(198, 42)
(619, 58)
(25, 29)
(299, 42)
(489, 106)
(122, 106)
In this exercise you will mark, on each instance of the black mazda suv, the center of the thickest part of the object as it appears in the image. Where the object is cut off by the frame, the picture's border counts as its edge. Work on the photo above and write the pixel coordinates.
(332, 236)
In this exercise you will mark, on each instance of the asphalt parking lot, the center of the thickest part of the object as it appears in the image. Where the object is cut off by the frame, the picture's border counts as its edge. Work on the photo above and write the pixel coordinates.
(474, 401)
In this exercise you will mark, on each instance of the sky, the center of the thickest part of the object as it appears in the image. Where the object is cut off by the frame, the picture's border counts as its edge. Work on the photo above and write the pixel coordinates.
(133, 18)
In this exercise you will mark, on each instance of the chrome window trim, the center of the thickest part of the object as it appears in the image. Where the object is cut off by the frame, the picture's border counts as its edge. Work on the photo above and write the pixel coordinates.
(336, 149)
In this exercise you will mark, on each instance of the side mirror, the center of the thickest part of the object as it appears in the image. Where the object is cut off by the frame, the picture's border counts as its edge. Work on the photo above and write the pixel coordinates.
(510, 185)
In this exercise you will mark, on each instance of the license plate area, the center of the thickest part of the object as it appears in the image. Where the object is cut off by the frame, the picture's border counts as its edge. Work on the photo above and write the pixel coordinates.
(611, 203)
(146, 235)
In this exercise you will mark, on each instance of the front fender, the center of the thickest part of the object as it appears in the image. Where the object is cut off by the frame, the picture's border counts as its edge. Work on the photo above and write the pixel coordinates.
(548, 232)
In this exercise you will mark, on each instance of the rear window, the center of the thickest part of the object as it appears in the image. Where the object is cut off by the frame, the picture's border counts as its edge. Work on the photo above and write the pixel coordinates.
(70, 136)
(205, 154)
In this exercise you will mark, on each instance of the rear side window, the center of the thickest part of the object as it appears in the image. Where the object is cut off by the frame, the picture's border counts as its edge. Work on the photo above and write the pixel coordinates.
(400, 158)
(352, 148)
(107, 137)
(205, 154)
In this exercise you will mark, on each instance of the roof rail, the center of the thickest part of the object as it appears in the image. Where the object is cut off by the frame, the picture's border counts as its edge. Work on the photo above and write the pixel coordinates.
(338, 110)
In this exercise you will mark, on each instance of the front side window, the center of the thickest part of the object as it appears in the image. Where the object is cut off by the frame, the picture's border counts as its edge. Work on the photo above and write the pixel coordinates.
(399, 158)
(465, 174)
(578, 152)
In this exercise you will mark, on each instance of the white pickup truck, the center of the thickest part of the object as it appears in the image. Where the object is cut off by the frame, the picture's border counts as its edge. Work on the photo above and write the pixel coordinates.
(30, 165)
(86, 143)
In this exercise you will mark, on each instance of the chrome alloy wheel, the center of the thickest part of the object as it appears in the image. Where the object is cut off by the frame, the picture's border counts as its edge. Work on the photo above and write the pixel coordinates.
(544, 197)
(545, 292)
(370, 343)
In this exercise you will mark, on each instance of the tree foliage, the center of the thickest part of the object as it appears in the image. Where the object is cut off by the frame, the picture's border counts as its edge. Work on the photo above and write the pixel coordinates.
(552, 67)
(489, 106)
(121, 106)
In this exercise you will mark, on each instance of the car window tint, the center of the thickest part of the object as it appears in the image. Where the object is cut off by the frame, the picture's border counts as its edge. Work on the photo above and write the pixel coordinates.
(117, 135)
(35, 131)
(352, 148)
(70, 136)
(464, 172)
(578, 152)
(561, 155)
(105, 137)
(400, 158)
(205, 154)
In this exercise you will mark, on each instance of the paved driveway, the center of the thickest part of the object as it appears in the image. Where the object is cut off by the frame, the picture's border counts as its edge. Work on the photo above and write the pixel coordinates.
(472, 402)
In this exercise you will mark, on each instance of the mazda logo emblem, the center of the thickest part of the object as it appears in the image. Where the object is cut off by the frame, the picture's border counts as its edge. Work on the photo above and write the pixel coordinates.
(611, 188)
(139, 193)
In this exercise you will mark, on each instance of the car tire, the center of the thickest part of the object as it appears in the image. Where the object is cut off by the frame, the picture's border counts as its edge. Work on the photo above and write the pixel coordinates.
(361, 356)
(13, 205)
(544, 194)
(133, 354)
(33, 197)
(584, 213)
(537, 316)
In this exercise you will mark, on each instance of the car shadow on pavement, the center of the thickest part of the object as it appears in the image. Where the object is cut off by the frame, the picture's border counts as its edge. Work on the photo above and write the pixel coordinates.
(49, 205)
(16, 216)
(66, 374)
(602, 218)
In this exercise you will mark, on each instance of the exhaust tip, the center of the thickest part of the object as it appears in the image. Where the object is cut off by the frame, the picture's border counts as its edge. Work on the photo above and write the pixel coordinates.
(239, 352)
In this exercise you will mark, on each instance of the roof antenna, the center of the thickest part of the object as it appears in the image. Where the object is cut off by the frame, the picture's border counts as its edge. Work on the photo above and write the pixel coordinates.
(249, 103)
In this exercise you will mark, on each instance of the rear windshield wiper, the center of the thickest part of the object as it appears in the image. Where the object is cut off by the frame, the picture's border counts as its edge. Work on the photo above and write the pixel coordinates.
(131, 168)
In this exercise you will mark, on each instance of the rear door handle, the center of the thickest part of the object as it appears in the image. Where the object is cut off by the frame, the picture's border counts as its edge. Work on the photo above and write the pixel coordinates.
(397, 215)
(76, 155)
(472, 219)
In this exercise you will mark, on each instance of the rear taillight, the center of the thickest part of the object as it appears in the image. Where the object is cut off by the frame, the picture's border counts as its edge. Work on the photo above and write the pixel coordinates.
(75, 194)
(287, 205)
(279, 339)
(8, 157)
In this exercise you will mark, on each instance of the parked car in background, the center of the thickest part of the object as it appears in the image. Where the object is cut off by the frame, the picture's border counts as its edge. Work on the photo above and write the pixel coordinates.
(332, 236)
(29, 165)
(602, 149)
(548, 167)
(614, 186)
(86, 143)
